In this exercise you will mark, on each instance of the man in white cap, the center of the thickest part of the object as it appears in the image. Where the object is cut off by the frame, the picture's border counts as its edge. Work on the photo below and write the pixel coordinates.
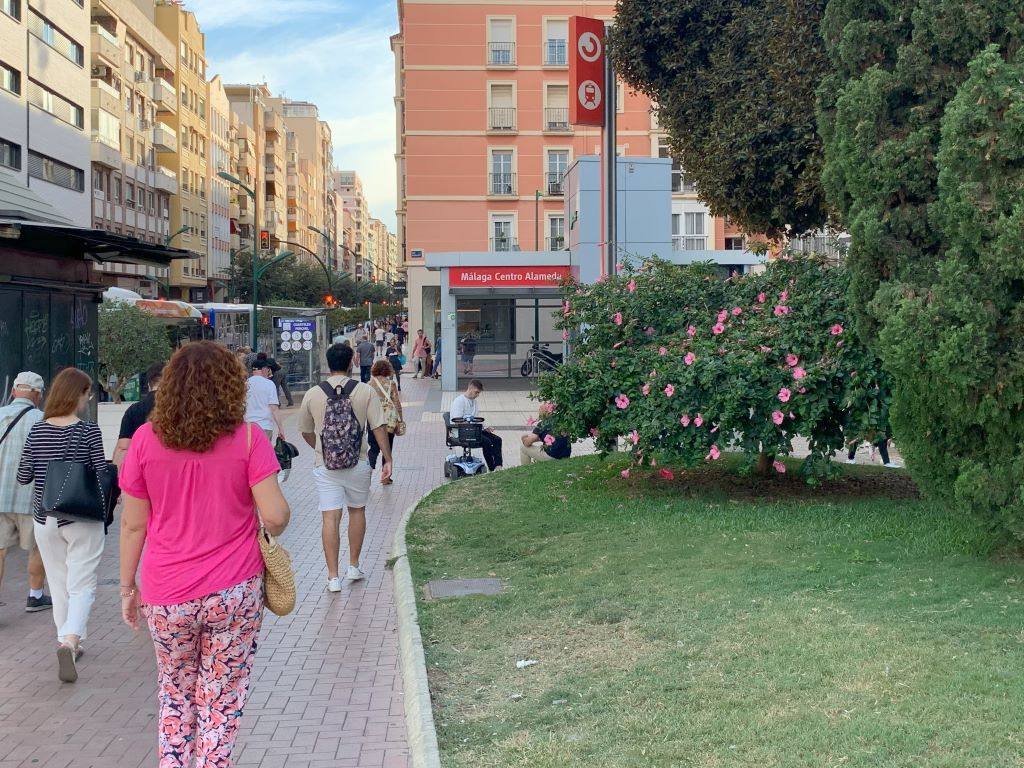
(16, 419)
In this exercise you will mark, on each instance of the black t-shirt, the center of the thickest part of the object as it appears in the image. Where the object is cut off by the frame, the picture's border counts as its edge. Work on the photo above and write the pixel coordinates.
(560, 449)
(136, 415)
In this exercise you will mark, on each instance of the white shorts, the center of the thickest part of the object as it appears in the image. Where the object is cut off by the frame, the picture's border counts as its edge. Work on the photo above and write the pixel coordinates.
(340, 488)
(15, 530)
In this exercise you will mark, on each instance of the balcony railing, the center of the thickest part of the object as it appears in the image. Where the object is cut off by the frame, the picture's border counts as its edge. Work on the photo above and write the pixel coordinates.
(555, 243)
(556, 119)
(501, 184)
(556, 53)
(501, 118)
(164, 95)
(555, 179)
(504, 244)
(501, 54)
(689, 243)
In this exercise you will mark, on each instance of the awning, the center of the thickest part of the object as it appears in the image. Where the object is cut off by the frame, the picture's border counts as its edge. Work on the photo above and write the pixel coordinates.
(21, 203)
(77, 242)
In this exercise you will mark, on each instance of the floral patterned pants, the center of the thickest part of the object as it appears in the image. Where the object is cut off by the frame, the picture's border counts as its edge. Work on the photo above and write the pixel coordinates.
(204, 653)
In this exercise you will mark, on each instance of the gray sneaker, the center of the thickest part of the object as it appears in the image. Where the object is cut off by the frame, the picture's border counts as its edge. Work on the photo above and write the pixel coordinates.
(36, 604)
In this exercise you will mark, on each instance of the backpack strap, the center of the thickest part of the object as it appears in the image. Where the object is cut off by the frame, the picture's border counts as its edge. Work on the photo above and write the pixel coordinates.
(15, 422)
(350, 387)
(333, 393)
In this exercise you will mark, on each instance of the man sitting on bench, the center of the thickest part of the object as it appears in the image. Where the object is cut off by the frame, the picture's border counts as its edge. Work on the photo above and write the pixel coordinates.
(466, 406)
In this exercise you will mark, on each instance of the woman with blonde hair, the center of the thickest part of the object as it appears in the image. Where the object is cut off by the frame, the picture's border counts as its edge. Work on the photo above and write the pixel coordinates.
(383, 384)
(71, 550)
(193, 480)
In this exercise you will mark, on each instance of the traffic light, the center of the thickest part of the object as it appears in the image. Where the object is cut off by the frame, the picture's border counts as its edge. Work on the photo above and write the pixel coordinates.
(329, 301)
(265, 239)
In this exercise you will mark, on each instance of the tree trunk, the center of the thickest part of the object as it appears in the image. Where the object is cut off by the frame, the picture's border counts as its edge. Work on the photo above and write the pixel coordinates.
(764, 464)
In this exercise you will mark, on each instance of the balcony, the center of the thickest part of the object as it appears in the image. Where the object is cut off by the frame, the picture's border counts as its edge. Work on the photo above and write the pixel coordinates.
(556, 119)
(554, 243)
(106, 97)
(501, 244)
(689, 243)
(273, 123)
(164, 95)
(166, 180)
(501, 184)
(554, 183)
(164, 138)
(106, 48)
(105, 151)
(501, 54)
(502, 119)
(556, 53)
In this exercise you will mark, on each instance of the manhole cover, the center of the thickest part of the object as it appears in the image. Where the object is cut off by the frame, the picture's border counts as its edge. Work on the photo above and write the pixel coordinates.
(461, 587)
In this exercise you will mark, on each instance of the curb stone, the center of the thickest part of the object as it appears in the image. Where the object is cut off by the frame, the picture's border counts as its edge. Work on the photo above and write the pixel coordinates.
(419, 714)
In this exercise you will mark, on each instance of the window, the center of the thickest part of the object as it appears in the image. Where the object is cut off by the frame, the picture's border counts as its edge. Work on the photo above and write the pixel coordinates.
(12, 8)
(735, 244)
(501, 47)
(44, 29)
(97, 182)
(183, 49)
(681, 180)
(556, 46)
(502, 111)
(10, 79)
(558, 164)
(556, 110)
(129, 195)
(556, 233)
(129, 102)
(56, 105)
(106, 128)
(10, 154)
(115, 189)
(140, 153)
(501, 233)
(693, 236)
(55, 172)
(503, 180)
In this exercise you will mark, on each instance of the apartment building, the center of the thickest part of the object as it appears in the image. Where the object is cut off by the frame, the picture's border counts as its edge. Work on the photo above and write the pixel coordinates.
(350, 187)
(181, 141)
(275, 171)
(44, 99)
(310, 155)
(247, 107)
(484, 140)
(223, 145)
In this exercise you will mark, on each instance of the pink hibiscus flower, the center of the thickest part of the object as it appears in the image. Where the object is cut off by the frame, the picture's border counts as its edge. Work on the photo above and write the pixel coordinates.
(792, 359)
(634, 436)
(652, 374)
(698, 421)
(617, 318)
(737, 311)
(836, 329)
(689, 358)
(684, 420)
(646, 389)
(762, 298)
(778, 417)
(666, 474)
(662, 351)
(631, 285)
(531, 421)
(780, 310)
(595, 432)
(692, 330)
(718, 329)
(669, 390)
(622, 402)
(649, 330)
(624, 474)
(784, 297)
(549, 439)
(714, 454)
(784, 395)
(799, 373)
(565, 335)
(779, 467)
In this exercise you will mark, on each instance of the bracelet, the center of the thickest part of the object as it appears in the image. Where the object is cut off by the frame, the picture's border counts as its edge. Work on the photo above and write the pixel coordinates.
(130, 592)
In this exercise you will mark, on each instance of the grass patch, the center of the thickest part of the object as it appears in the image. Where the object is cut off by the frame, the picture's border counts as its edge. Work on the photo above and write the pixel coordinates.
(717, 622)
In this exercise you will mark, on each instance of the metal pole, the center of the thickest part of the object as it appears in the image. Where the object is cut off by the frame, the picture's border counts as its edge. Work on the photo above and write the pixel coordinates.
(536, 220)
(610, 167)
(256, 228)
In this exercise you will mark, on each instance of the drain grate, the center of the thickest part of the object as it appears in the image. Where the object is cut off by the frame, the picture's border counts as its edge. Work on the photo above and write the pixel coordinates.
(462, 587)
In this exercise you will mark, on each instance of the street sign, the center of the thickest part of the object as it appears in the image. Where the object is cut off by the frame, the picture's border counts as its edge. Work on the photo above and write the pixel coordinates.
(586, 71)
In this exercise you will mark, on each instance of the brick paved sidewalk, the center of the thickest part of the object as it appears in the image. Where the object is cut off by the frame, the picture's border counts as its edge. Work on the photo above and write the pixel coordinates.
(327, 689)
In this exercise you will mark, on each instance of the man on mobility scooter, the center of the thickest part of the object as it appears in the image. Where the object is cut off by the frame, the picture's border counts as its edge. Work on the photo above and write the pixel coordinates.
(463, 428)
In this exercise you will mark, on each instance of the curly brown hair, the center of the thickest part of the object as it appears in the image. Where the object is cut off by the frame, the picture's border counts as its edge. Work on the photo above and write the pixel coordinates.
(201, 397)
(382, 368)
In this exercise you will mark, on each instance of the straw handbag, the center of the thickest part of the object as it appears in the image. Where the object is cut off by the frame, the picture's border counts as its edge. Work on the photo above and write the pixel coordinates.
(278, 576)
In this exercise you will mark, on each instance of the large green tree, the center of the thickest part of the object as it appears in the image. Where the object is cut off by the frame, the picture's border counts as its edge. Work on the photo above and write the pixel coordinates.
(735, 82)
(130, 341)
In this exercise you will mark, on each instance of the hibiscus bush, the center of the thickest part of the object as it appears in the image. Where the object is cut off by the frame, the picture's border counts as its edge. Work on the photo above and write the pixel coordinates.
(684, 364)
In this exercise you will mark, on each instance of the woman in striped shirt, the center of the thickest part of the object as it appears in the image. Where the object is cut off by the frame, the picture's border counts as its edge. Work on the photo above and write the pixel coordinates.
(71, 551)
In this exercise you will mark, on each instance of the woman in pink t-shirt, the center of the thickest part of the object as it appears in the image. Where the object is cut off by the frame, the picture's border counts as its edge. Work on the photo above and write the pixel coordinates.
(192, 481)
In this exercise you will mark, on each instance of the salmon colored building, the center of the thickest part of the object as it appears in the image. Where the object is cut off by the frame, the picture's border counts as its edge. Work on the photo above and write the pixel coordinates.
(482, 108)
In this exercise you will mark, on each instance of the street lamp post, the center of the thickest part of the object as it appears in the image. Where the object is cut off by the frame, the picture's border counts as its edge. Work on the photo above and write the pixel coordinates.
(253, 327)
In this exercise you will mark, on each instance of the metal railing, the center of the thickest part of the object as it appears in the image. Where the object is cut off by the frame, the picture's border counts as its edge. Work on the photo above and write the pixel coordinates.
(689, 243)
(555, 243)
(501, 54)
(501, 184)
(556, 119)
(501, 118)
(504, 244)
(555, 179)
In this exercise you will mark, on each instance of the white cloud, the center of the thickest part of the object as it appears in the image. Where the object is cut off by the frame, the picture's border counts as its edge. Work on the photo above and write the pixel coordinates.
(348, 72)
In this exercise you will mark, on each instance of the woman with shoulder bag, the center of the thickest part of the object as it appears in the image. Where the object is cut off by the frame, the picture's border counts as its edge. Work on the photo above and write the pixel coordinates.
(193, 480)
(71, 549)
(397, 360)
(384, 386)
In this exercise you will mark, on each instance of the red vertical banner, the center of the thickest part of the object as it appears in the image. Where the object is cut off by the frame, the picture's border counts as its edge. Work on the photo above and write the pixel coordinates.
(586, 71)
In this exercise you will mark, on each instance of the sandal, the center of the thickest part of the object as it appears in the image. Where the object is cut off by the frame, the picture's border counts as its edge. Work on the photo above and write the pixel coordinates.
(67, 672)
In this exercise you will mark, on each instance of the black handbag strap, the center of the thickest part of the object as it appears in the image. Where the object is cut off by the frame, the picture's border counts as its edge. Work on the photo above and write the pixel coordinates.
(14, 423)
(72, 444)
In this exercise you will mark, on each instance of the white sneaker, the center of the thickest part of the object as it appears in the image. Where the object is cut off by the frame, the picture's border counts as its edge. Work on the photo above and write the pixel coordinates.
(890, 465)
(334, 585)
(354, 573)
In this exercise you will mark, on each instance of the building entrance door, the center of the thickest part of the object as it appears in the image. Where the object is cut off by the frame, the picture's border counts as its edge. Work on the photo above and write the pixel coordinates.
(495, 335)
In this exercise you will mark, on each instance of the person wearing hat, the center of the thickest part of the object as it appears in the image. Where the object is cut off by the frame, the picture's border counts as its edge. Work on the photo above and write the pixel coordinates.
(262, 406)
(16, 419)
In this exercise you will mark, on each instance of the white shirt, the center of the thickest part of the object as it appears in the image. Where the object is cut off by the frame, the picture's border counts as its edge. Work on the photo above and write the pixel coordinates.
(260, 394)
(463, 407)
(379, 335)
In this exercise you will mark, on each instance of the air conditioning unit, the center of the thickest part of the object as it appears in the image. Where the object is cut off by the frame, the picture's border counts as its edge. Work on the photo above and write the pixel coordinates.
(100, 70)
(140, 77)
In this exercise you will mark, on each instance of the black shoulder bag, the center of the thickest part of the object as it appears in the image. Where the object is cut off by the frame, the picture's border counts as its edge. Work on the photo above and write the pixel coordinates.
(76, 490)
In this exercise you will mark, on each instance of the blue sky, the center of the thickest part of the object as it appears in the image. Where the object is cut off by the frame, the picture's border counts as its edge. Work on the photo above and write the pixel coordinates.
(334, 53)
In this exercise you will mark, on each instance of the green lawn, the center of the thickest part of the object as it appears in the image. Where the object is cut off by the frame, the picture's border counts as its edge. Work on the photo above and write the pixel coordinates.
(680, 624)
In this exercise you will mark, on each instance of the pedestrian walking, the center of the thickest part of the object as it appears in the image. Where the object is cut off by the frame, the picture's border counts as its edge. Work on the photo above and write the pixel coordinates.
(435, 369)
(397, 360)
(261, 404)
(468, 353)
(383, 382)
(193, 480)
(378, 336)
(278, 376)
(16, 524)
(365, 352)
(333, 418)
(71, 550)
(137, 414)
(420, 353)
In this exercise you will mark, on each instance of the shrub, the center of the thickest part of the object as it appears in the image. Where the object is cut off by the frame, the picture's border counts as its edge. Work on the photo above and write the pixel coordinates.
(684, 364)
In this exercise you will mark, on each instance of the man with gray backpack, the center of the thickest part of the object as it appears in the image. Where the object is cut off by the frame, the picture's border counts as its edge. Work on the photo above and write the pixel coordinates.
(334, 420)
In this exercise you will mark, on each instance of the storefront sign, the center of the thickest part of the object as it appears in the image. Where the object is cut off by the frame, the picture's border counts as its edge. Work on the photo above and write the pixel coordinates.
(586, 71)
(507, 277)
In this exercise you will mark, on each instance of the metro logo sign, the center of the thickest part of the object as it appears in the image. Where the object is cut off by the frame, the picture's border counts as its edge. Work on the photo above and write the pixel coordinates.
(586, 71)
(509, 277)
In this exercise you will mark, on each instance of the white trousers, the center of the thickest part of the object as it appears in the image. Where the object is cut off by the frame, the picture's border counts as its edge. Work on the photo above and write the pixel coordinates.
(71, 556)
(529, 454)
